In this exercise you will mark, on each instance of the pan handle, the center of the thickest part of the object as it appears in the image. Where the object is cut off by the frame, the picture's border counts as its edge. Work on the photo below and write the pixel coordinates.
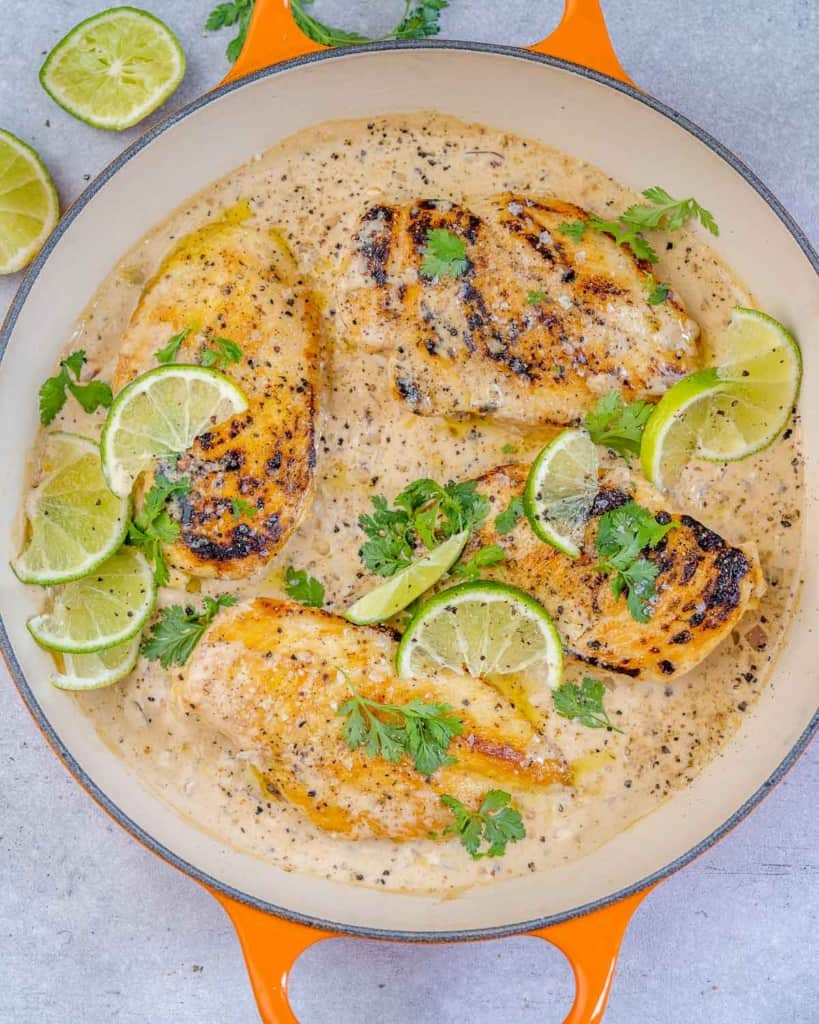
(590, 943)
(581, 37)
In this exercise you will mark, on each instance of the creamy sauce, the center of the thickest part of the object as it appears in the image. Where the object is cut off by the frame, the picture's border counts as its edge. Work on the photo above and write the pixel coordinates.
(310, 188)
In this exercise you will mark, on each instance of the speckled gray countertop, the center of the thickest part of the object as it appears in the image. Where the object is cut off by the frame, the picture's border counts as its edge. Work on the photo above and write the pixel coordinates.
(96, 930)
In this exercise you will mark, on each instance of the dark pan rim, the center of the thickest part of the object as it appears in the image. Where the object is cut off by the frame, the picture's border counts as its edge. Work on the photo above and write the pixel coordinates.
(14, 666)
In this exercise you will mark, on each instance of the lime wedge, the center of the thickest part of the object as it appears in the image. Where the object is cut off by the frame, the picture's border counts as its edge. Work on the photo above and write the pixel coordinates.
(484, 629)
(726, 413)
(74, 521)
(101, 610)
(93, 671)
(29, 207)
(161, 413)
(402, 588)
(561, 489)
(114, 68)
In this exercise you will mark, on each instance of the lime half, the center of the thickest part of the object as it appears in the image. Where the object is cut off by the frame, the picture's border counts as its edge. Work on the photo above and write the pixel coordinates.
(161, 413)
(93, 671)
(114, 68)
(726, 413)
(561, 489)
(74, 521)
(101, 610)
(29, 207)
(402, 588)
(484, 629)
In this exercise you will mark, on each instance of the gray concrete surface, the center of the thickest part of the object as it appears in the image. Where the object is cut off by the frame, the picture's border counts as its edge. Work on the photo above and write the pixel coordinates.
(93, 929)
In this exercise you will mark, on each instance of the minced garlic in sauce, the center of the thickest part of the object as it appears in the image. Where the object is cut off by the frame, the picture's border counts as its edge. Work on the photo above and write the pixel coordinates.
(310, 189)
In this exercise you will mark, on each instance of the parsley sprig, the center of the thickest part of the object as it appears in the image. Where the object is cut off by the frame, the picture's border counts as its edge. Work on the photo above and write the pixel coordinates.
(495, 824)
(304, 588)
(622, 535)
(507, 520)
(425, 512)
(152, 526)
(444, 255)
(421, 18)
(419, 730)
(169, 353)
(223, 353)
(177, 631)
(663, 212)
(483, 558)
(54, 391)
(583, 703)
(618, 425)
(239, 507)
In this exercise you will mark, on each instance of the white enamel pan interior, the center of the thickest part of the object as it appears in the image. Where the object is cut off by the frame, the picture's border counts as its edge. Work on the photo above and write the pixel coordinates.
(636, 141)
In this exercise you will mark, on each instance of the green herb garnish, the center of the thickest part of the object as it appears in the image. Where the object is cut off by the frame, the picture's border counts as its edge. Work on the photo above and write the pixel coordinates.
(583, 703)
(622, 535)
(574, 229)
(152, 526)
(484, 557)
(445, 255)
(425, 512)
(618, 425)
(533, 298)
(657, 292)
(303, 588)
(226, 15)
(169, 353)
(507, 520)
(239, 507)
(496, 824)
(421, 731)
(54, 391)
(222, 354)
(178, 630)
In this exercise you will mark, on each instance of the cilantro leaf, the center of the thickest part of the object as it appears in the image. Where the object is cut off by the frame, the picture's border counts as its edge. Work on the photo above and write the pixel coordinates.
(177, 630)
(224, 353)
(420, 730)
(584, 703)
(425, 511)
(533, 298)
(622, 535)
(420, 20)
(239, 507)
(484, 557)
(169, 353)
(54, 392)
(226, 15)
(152, 526)
(669, 213)
(657, 291)
(304, 588)
(507, 520)
(625, 233)
(495, 824)
(445, 255)
(575, 229)
(617, 425)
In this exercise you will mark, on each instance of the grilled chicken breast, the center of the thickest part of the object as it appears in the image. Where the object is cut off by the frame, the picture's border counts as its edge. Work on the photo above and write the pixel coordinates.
(272, 675)
(536, 328)
(704, 585)
(251, 478)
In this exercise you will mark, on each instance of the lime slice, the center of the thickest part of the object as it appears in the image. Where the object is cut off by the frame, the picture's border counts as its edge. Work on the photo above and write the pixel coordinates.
(561, 489)
(29, 207)
(101, 610)
(402, 588)
(727, 413)
(93, 671)
(485, 629)
(74, 521)
(114, 68)
(161, 413)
